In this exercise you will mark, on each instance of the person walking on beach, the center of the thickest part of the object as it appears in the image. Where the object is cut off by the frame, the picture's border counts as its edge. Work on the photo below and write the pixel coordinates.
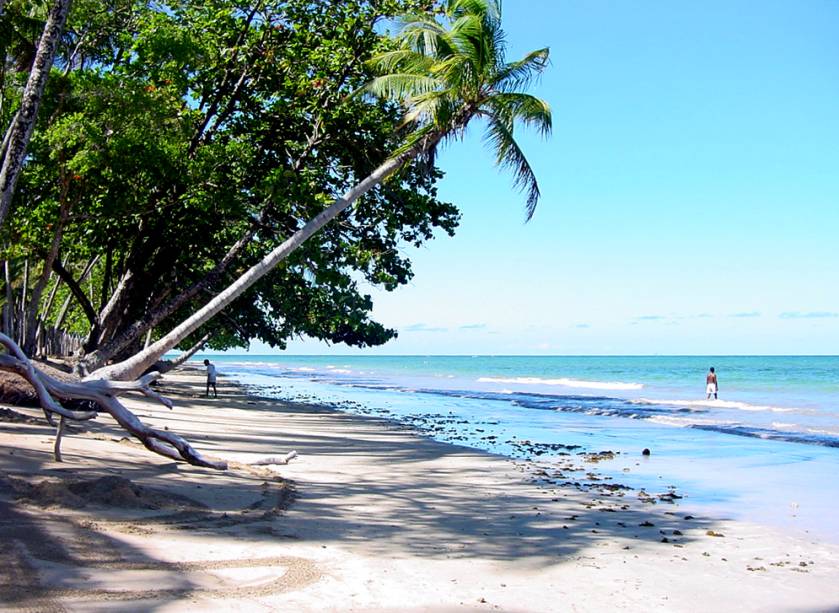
(211, 379)
(711, 384)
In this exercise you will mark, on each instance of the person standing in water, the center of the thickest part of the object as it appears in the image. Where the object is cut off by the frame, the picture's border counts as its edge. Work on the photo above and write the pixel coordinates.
(711, 384)
(211, 379)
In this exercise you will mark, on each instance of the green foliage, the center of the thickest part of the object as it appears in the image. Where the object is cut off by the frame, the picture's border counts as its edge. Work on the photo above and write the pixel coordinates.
(168, 130)
(450, 70)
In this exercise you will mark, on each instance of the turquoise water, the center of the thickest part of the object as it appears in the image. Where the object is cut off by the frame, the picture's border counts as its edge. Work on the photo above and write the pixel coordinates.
(767, 450)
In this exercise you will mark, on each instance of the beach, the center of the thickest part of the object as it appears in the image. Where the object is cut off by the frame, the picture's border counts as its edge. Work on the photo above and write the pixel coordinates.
(368, 516)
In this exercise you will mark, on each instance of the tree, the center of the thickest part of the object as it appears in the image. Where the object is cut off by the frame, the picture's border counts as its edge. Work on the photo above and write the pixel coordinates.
(445, 77)
(20, 131)
(193, 144)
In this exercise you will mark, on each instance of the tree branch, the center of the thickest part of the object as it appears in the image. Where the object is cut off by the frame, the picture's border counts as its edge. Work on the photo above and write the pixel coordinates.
(105, 394)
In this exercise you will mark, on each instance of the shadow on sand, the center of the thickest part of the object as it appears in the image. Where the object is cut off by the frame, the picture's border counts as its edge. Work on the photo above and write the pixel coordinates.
(375, 487)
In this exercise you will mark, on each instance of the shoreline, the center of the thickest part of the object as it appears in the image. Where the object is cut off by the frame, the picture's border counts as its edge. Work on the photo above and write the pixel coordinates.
(784, 484)
(378, 513)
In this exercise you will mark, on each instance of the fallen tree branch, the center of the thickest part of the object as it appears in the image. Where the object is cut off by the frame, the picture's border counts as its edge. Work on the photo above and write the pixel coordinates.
(104, 394)
(58, 434)
(285, 459)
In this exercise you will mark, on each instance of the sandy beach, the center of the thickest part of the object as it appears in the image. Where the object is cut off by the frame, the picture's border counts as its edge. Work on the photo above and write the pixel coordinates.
(368, 516)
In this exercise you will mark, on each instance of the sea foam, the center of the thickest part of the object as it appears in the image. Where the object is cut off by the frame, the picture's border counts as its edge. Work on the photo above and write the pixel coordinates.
(718, 404)
(564, 381)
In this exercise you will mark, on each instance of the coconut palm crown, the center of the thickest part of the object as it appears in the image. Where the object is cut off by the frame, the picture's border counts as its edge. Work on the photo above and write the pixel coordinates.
(449, 71)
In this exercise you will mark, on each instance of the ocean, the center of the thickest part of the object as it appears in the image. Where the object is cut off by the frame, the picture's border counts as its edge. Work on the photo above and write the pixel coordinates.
(766, 451)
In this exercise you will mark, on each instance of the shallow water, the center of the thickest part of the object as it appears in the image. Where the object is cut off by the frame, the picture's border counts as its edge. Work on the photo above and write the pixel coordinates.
(767, 451)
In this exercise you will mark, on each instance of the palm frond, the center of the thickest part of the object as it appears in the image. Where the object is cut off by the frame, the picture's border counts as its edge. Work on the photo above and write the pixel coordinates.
(509, 155)
(457, 69)
(486, 9)
(526, 108)
(521, 74)
(401, 86)
(424, 35)
(400, 60)
(429, 107)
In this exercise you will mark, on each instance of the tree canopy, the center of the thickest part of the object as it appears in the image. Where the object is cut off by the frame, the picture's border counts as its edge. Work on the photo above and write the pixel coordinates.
(198, 158)
(179, 142)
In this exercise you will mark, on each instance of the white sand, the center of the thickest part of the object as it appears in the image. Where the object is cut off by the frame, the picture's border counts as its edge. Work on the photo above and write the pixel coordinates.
(383, 520)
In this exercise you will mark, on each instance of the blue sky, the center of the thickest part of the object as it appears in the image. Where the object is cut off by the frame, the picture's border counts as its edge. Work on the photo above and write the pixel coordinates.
(690, 193)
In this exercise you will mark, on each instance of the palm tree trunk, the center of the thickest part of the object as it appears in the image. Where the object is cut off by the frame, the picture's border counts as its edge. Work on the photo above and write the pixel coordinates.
(138, 363)
(21, 131)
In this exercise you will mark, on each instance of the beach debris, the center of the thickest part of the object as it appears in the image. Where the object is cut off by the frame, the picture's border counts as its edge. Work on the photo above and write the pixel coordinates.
(275, 459)
(670, 497)
(100, 395)
(714, 533)
(599, 456)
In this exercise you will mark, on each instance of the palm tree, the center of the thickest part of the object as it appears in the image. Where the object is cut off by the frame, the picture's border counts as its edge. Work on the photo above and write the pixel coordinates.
(446, 74)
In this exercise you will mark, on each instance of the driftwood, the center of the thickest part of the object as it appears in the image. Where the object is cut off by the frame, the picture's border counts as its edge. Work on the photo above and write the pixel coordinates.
(104, 394)
(285, 459)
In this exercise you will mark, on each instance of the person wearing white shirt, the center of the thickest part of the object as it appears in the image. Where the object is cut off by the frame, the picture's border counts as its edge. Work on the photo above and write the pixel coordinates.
(211, 379)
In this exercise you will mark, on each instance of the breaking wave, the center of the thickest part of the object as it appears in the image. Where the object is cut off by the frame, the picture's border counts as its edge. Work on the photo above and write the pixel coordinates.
(564, 381)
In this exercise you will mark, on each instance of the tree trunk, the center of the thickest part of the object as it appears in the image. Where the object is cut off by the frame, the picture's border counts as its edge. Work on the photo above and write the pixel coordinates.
(191, 351)
(59, 320)
(8, 135)
(8, 308)
(34, 301)
(132, 332)
(75, 288)
(40, 342)
(138, 363)
(21, 314)
(30, 103)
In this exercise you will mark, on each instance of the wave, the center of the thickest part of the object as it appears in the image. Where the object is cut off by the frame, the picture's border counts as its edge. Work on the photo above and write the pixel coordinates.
(723, 416)
(772, 435)
(564, 381)
(717, 404)
(688, 422)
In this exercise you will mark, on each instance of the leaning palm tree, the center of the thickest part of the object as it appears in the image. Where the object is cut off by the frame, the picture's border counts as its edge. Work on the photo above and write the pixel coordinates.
(446, 73)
